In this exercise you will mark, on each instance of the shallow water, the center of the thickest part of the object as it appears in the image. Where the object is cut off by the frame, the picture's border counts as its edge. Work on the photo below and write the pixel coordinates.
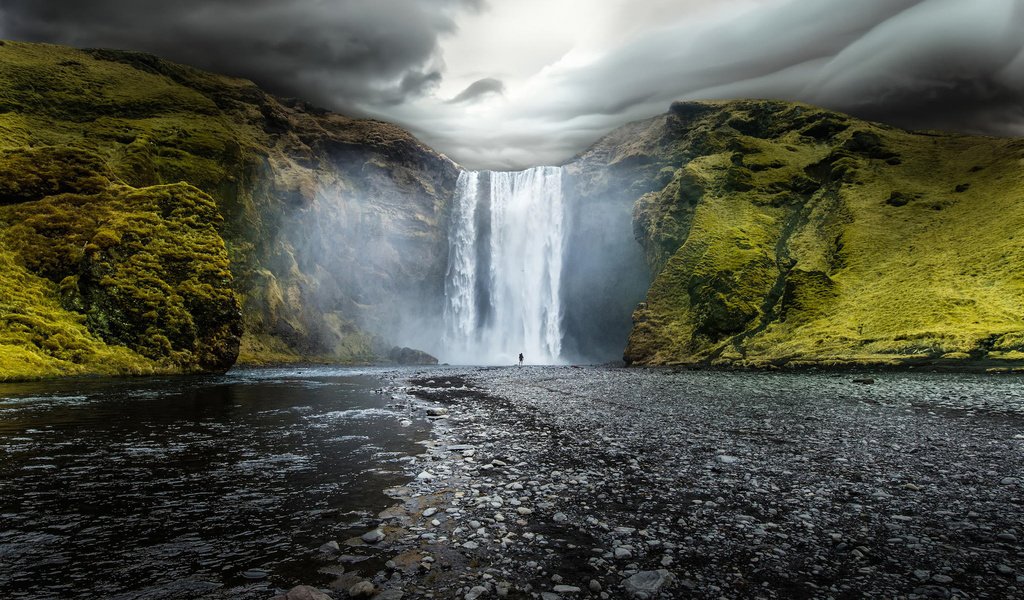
(128, 487)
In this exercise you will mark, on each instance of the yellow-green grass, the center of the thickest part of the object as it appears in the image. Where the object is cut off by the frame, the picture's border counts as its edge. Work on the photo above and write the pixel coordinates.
(900, 251)
(39, 338)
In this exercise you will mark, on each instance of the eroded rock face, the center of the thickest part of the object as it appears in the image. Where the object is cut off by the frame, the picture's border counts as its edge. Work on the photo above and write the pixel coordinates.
(784, 234)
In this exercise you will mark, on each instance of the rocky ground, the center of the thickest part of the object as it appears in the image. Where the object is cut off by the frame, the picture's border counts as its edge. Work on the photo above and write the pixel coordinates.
(565, 482)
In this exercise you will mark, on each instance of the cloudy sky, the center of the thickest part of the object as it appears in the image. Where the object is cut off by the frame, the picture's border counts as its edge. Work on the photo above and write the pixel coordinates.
(513, 83)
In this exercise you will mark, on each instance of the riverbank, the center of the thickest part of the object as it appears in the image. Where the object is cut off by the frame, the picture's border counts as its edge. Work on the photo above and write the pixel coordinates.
(600, 482)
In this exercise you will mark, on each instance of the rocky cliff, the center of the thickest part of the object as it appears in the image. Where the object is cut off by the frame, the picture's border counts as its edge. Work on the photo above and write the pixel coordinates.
(783, 234)
(157, 218)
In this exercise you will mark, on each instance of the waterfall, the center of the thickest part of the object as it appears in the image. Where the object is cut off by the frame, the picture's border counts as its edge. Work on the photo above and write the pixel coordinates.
(502, 289)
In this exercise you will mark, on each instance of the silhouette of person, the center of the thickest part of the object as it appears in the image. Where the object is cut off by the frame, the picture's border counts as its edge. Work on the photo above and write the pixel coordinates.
(520, 359)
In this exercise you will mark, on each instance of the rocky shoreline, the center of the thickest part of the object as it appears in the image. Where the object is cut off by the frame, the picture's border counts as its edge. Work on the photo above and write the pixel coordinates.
(564, 482)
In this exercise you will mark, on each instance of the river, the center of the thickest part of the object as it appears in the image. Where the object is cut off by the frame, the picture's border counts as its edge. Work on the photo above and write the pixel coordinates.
(170, 487)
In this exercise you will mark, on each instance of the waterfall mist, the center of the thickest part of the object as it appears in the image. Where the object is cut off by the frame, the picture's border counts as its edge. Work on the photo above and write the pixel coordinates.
(503, 290)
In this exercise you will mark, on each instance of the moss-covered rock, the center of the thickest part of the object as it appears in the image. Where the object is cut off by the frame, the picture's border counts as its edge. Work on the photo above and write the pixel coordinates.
(154, 198)
(145, 267)
(783, 234)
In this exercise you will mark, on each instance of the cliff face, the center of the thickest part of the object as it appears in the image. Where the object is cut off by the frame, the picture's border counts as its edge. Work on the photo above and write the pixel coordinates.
(151, 213)
(783, 234)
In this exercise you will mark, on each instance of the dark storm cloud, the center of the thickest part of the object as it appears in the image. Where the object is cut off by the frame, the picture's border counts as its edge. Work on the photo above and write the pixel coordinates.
(479, 88)
(945, 64)
(341, 53)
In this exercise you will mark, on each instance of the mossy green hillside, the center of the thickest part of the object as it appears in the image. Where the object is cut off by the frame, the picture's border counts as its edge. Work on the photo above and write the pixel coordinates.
(783, 234)
(121, 281)
(95, 132)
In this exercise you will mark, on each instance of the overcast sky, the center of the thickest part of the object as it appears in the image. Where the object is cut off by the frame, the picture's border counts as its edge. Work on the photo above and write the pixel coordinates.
(514, 83)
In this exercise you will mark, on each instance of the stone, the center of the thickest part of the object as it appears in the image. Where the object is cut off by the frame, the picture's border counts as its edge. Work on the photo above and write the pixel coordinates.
(560, 517)
(594, 586)
(372, 537)
(390, 595)
(943, 579)
(726, 459)
(331, 547)
(475, 592)
(255, 574)
(646, 584)
(566, 589)
(305, 592)
(430, 512)
(425, 476)
(470, 545)
(622, 552)
(436, 411)
(363, 589)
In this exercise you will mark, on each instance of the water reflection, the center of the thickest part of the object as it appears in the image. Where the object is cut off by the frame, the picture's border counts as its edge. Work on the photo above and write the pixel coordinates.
(112, 486)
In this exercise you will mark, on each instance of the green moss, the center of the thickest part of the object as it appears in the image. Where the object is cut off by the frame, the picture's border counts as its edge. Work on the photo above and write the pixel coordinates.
(146, 268)
(116, 168)
(832, 252)
(39, 338)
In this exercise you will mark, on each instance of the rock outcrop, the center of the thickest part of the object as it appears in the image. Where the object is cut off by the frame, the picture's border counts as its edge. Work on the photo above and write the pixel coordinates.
(784, 234)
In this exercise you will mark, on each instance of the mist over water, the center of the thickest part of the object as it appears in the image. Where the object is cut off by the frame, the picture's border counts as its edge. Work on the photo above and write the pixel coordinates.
(503, 286)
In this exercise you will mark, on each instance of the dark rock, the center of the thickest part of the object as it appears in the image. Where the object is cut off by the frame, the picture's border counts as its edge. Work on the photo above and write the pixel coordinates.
(410, 356)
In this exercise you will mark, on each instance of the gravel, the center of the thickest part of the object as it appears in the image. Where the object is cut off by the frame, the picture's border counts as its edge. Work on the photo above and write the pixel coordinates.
(605, 482)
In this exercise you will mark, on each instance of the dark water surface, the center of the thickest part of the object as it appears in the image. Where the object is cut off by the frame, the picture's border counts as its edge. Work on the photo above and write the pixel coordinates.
(122, 488)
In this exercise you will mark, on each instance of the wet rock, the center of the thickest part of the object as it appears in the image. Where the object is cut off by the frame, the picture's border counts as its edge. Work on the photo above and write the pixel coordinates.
(363, 589)
(373, 536)
(647, 584)
(330, 548)
(303, 592)
(255, 574)
(410, 356)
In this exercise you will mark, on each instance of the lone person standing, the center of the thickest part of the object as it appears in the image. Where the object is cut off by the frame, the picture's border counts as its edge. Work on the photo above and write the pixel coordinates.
(520, 359)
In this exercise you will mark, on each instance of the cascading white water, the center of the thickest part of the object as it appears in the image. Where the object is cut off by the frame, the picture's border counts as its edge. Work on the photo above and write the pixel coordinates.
(502, 289)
